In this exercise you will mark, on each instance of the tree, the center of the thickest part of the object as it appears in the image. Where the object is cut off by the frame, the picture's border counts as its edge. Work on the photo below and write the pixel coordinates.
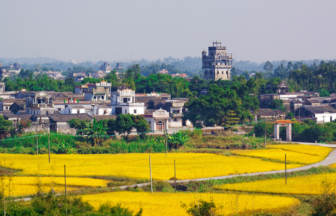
(221, 96)
(231, 118)
(124, 124)
(140, 123)
(268, 67)
(4, 127)
(111, 127)
(246, 75)
(79, 125)
(95, 130)
(324, 93)
(276, 104)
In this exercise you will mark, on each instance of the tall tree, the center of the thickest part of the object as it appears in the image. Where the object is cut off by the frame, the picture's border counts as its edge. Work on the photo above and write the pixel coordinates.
(268, 67)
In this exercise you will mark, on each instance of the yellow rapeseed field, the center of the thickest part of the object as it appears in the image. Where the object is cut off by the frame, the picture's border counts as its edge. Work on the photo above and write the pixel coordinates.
(25, 190)
(27, 185)
(301, 154)
(188, 165)
(307, 149)
(170, 203)
(310, 184)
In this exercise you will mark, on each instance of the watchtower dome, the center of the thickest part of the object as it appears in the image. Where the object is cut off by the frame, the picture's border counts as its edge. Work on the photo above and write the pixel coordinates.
(217, 65)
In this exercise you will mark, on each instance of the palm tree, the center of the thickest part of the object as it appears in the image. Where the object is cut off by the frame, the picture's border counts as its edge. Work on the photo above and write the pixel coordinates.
(95, 130)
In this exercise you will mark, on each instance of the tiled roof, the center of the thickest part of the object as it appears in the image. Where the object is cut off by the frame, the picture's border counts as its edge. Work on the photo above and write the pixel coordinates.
(320, 109)
(68, 117)
(103, 117)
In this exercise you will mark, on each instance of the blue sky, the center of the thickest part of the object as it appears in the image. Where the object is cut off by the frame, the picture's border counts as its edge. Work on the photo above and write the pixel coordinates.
(257, 30)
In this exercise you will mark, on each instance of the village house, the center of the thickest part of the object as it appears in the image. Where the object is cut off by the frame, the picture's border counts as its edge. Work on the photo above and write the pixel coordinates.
(7, 104)
(157, 119)
(95, 92)
(101, 110)
(73, 109)
(269, 114)
(123, 102)
(320, 114)
(59, 123)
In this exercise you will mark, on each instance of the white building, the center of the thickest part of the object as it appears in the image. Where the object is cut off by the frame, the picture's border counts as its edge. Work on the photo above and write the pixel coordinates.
(73, 109)
(123, 102)
(101, 110)
(157, 119)
(320, 114)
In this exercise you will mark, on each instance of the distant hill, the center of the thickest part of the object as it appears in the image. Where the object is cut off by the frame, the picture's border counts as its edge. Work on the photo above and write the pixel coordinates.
(38, 60)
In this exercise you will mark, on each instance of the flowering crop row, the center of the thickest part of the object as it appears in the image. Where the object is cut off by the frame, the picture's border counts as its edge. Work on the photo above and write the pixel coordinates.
(300, 154)
(170, 203)
(136, 165)
(310, 184)
(25, 185)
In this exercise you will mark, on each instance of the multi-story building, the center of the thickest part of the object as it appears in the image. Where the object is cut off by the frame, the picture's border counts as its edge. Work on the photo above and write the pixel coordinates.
(123, 102)
(217, 64)
(105, 67)
(95, 92)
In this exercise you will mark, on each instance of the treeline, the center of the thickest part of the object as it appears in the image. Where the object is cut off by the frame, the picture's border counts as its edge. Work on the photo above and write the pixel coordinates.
(302, 131)
(52, 204)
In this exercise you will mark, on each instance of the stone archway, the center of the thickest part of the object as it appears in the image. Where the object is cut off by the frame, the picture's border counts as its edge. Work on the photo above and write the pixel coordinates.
(283, 123)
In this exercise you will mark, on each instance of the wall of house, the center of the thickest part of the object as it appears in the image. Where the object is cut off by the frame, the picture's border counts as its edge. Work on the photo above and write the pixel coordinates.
(175, 122)
(152, 123)
(88, 96)
(64, 127)
(140, 110)
(327, 117)
(38, 127)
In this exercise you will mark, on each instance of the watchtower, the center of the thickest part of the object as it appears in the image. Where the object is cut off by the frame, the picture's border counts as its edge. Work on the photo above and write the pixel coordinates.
(217, 65)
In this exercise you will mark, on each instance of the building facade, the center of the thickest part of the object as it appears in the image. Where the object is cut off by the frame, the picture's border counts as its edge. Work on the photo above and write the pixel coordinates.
(217, 64)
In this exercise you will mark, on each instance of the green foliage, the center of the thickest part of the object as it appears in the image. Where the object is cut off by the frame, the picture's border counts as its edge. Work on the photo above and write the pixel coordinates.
(221, 97)
(277, 104)
(178, 139)
(4, 126)
(51, 204)
(38, 83)
(259, 129)
(95, 130)
(324, 93)
(268, 67)
(124, 124)
(177, 87)
(231, 118)
(202, 208)
(117, 210)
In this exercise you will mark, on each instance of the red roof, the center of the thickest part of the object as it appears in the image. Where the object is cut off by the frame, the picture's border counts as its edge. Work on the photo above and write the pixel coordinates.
(283, 122)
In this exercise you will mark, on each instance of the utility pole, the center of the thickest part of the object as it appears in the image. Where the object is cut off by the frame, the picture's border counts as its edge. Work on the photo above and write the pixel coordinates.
(265, 133)
(49, 146)
(37, 145)
(286, 168)
(150, 170)
(175, 175)
(166, 140)
(65, 190)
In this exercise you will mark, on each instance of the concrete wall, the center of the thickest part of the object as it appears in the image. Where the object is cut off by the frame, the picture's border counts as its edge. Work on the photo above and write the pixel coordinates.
(327, 117)
(175, 123)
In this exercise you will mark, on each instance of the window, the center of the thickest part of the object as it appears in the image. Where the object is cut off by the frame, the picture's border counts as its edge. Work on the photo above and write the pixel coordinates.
(6, 108)
(95, 97)
(59, 109)
(125, 111)
(222, 72)
(135, 111)
(78, 112)
(125, 100)
(175, 119)
(129, 99)
(330, 118)
(149, 122)
(47, 112)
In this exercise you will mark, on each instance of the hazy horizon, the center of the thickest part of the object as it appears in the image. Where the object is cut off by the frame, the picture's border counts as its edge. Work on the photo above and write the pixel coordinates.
(84, 30)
